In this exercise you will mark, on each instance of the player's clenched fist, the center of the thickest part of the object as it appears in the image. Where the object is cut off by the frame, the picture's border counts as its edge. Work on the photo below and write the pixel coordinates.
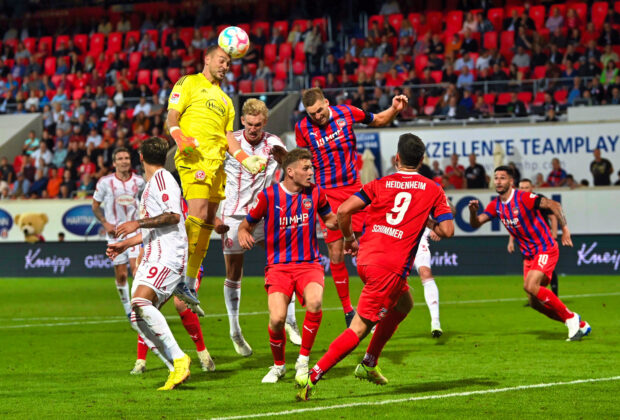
(399, 102)
(187, 145)
(115, 249)
(474, 205)
(254, 164)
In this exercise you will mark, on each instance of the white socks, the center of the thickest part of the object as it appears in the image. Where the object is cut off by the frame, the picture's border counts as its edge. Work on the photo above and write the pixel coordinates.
(232, 297)
(123, 293)
(191, 282)
(290, 312)
(431, 296)
(154, 328)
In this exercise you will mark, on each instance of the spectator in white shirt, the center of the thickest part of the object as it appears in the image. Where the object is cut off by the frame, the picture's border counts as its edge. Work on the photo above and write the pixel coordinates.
(93, 138)
(484, 61)
(464, 61)
(143, 106)
(42, 156)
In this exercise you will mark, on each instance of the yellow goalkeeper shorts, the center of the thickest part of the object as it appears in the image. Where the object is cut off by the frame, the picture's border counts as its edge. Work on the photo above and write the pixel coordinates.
(201, 178)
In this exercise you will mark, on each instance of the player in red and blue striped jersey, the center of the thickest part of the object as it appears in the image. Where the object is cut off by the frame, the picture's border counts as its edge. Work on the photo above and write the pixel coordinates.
(328, 133)
(520, 212)
(290, 210)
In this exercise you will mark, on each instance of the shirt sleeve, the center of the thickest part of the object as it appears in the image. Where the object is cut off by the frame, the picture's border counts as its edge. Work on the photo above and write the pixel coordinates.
(530, 200)
(441, 210)
(361, 116)
(367, 193)
(100, 191)
(324, 207)
(181, 94)
(167, 194)
(259, 209)
(490, 209)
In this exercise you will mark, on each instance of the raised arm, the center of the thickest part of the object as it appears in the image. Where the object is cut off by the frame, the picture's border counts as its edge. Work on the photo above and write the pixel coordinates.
(476, 220)
(164, 219)
(558, 212)
(385, 117)
(254, 163)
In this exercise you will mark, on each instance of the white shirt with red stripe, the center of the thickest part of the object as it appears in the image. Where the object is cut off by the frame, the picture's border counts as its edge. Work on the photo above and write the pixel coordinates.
(119, 198)
(242, 187)
(166, 245)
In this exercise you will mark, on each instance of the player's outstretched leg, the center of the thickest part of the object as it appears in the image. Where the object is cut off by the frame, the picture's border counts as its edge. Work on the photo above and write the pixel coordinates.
(313, 297)
(431, 296)
(134, 324)
(140, 365)
(292, 330)
(191, 322)
(153, 326)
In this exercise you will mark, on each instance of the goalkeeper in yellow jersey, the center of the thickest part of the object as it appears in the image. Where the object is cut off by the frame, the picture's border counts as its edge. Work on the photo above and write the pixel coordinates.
(200, 120)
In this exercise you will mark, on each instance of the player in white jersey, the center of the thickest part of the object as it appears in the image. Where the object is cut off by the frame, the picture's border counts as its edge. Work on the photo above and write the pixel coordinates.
(162, 232)
(242, 189)
(116, 201)
(422, 264)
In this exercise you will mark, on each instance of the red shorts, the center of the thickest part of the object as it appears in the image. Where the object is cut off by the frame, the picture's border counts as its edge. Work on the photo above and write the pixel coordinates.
(335, 197)
(289, 278)
(544, 261)
(381, 291)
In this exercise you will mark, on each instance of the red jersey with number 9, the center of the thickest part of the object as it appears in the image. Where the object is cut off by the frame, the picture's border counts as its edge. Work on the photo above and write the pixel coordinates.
(398, 207)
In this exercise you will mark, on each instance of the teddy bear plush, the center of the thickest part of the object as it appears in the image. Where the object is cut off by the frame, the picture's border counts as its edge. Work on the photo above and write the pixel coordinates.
(32, 225)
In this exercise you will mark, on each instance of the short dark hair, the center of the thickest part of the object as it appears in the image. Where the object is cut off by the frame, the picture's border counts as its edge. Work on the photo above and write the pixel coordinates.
(527, 180)
(312, 95)
(120, 150)
(411, 150)
(154, 151)
(506, 169)
(294, 156)
(211, 49)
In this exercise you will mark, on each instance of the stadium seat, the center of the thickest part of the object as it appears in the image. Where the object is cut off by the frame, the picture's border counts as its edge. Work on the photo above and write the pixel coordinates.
(378, 19)
(285, 51)
(420, 62)
(47, 41)
(302, 23)
(269, 53)
(278, 85)
(496, 16)
(599, 11)
(396, 20)
(245, 26)
(582, 11)
(173, 74)
(503, 98)
(432, 100)
(429, 110)
(245, 86)
(561, 7)
(205, 30)
(115, 42)
(516, 6)
(97, 43)
(186, 35)
(56, 79)
(539, 99)
(154, 34)
(490, 40)
(164, 36)
(539, 72)
(560, 96)
(617, 6)
(236, 70)
(537, 14)
(280, 70)
(144, 77)
(260, 85)
(12, 43)
(435, 21)
(61, 39)
(134, 61)
(30, 44)
(507, 41)
(49, 66)
(454, 21)
(525, 97)
(282, 26)
(300, 55)
(414, 19)
(252, 67)
(489, 98)
(266, 28)
(320, 79)
(299, 68)
(78, 93)
(135, 35)
(81, 42)
(437, 75)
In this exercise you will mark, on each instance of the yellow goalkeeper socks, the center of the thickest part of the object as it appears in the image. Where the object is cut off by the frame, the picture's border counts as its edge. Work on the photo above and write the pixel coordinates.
(198, 236)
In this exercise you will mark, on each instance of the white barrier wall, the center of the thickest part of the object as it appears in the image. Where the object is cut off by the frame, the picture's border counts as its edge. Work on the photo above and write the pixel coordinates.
(530, 146)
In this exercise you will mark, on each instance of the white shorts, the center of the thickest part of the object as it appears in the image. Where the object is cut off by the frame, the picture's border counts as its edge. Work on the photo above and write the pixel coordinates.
(423, 256)
(230, 240)
(129, 253)
(158, 277)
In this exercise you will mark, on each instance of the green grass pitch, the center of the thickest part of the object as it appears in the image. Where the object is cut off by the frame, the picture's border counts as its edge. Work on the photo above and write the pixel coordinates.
(67, 351)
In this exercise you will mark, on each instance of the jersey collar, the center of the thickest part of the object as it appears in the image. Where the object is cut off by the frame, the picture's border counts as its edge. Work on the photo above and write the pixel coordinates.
(407, 173)
(512, 194)
(287, 191)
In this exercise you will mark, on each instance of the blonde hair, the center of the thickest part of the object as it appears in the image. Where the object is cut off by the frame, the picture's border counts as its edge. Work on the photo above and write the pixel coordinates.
(255, 107)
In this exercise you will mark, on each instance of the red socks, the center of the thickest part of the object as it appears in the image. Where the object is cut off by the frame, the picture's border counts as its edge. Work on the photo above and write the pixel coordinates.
(192, 325)
(277, 340)
(312, 321)
(142, 349)
(384, 331)
(552, 302)
(341, 281)
(338, 350)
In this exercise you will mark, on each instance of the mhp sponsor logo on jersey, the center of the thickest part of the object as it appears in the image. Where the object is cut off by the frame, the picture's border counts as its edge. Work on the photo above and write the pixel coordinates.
(80, 220)
(6, 223)
(35, 260)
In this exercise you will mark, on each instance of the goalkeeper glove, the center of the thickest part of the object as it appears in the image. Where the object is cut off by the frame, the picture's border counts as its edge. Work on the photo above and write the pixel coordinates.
(254, 164)
(186, 145)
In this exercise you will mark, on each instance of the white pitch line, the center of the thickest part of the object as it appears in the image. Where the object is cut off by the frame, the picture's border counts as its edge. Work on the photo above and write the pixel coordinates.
(420, 398)
(110, 320)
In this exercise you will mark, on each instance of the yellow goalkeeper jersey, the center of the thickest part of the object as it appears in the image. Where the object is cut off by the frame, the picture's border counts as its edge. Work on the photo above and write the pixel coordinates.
(207, 113)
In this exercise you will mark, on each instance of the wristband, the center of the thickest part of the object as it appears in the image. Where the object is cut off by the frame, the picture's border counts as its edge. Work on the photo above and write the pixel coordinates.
(173, 129)
(350, 239)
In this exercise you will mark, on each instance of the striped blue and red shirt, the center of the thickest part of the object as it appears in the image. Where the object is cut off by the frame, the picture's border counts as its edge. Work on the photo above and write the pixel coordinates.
(524, 221)
(333, 146)
(290, 222)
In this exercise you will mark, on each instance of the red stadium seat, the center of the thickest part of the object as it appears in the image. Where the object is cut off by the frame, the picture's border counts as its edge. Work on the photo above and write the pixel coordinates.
(420, 62)
(560, 96)
(252, 67)
(300, 55)
(302, 23)
(134, 60)
(282, 26)
(539, 99)
(60, 39)
(260, 85)
(299, 68)
(49, 66)
(236, 70)
(278, 85)
(503, 98)
(245, 26)
(164, 36)
(205, 30)
(516, 6)
(617, 6)
(435, 21)
(396, 20)
(537, 13)
(525, 97)
(378, 19)
(496, 16)
(454, 21)
(599, 11)
(245, 86)
(47, 41)
(97, 42)
(429, 110)
(30, 44)
(320, 79)
(281, 70)
(264, 25)
(489, 98)
(186, 35)
(81, 42)
(414, 19)
(56, 79)
(144, 77)
(173, 74)
(582, 11)
(432, 100)
(490, 40)
(539, 72)
(285, 51)
(437, 75)
(561, 7)
(115, 42)
(78, 93)
(154, 34)
(507, 41)
(135, 35)
(269, 53)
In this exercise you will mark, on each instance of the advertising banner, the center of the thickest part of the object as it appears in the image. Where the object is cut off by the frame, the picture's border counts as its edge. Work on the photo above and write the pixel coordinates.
(530, 146)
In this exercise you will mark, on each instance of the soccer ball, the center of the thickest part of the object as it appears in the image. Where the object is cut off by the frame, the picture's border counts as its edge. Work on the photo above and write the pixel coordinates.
(234, 41)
